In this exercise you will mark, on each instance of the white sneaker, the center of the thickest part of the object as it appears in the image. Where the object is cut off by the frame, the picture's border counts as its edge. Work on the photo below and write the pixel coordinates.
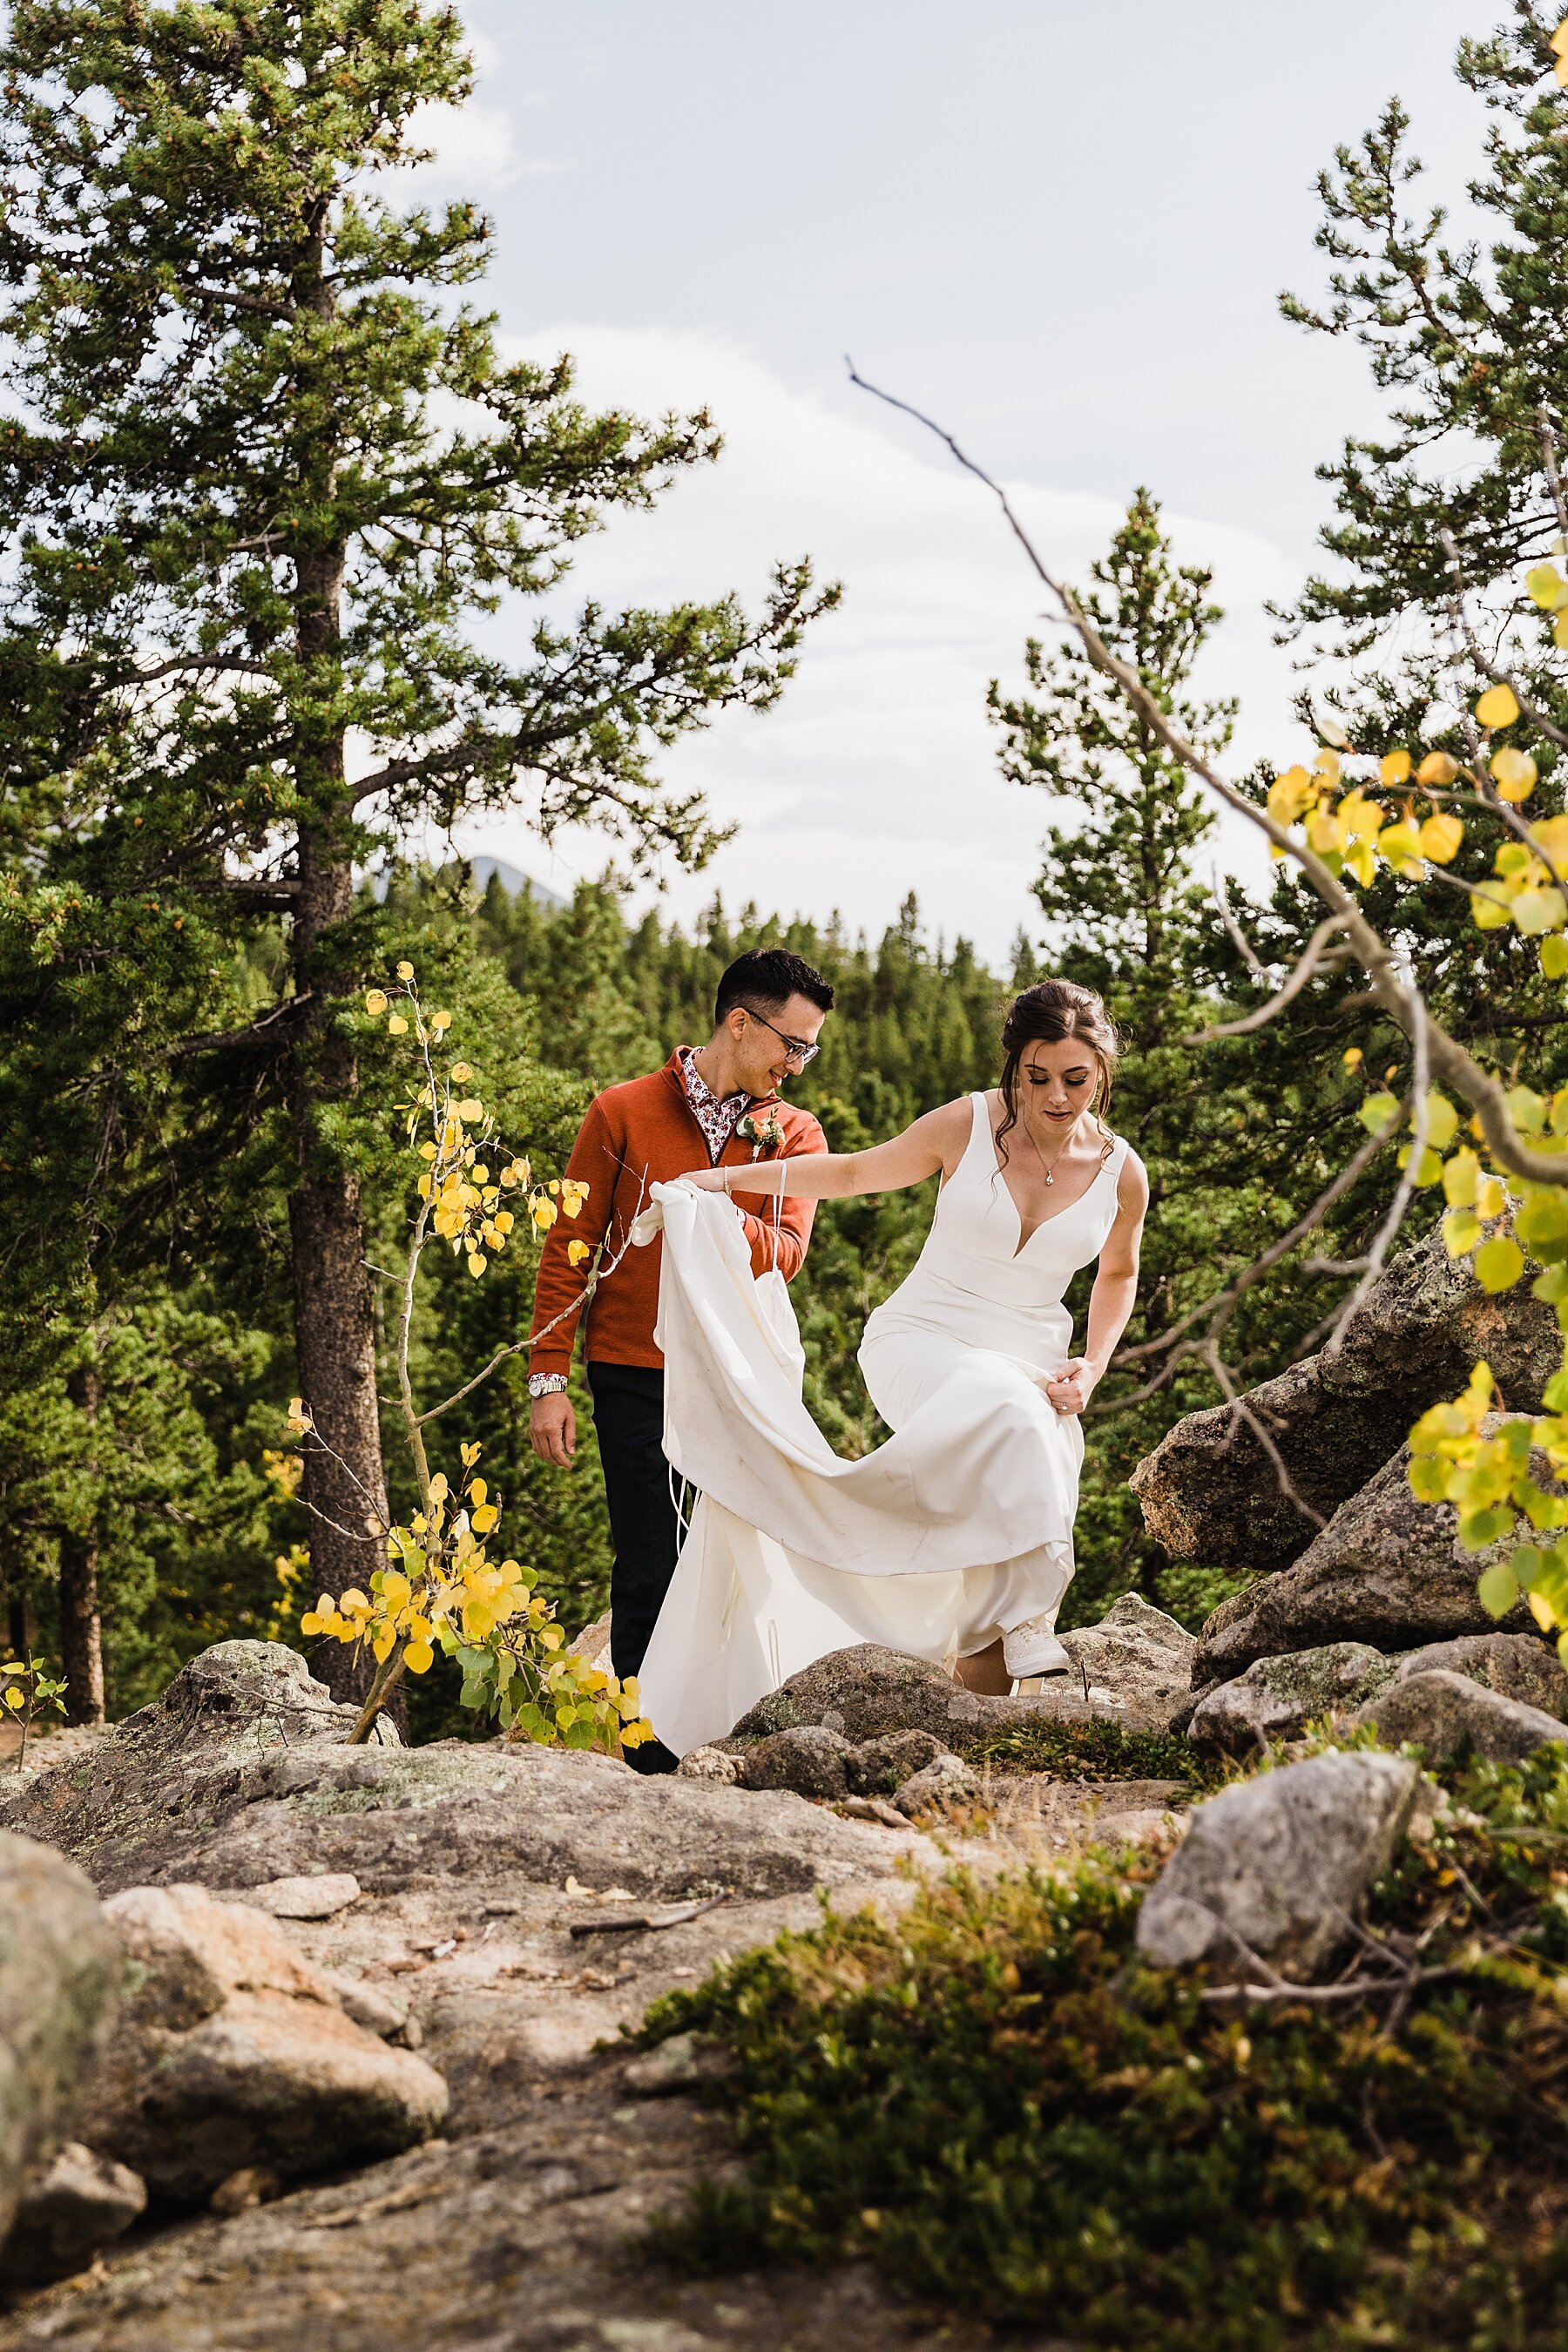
(1032, 1648)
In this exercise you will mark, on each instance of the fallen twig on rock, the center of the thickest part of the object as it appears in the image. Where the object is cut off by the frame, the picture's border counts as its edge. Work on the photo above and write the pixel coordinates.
(674, 1915)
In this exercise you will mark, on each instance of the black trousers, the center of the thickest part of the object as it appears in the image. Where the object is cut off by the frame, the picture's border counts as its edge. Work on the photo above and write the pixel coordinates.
(628, 1416)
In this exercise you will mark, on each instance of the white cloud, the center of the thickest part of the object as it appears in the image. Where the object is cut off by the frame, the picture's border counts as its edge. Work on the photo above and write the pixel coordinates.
(876, 773)
(474, 152)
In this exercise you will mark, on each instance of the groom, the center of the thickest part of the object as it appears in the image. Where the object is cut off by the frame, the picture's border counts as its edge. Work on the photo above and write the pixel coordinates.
(722, 1099)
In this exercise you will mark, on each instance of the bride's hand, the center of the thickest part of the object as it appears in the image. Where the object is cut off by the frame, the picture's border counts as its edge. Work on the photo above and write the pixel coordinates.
(707, 1180)
(1070, 1389)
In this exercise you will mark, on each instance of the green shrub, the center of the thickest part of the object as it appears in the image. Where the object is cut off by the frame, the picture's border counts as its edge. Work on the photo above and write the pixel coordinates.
(1012, 2116)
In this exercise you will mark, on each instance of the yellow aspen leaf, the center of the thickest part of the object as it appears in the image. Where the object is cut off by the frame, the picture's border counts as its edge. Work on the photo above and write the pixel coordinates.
(1436, 768)
(484, 1520)
(1560, 39)
(1398, 847)
(1490, 1198)
(1440, 838)
(405, 970)
(544, 1215)
(1554, 956)
(1324, 833)
(1361, 860)
(1461, 1179)
(12, 1698)
(375, 1001)
(1393, 767)
(1290, 794)
(1526, 1110)
(1538, 910)
(1499, 1263)
(310, 1622)
(461, 1074)
(1498, 707)
(1360, 817)
(439, 1489)
(475, 1263)
(1550, 836)
(1442, 1121)
(471, 1109)
(1546, 586)
(1490, 908)
(1560, 72)
(427, 1151)
(1353, 1057)
(397, 1025)
(1513, 774)
(1327, 762)
(479, 1490)
(384, 1641)
(1560, 630)
(419, 1657)
(576, 1252)
(440, 1022)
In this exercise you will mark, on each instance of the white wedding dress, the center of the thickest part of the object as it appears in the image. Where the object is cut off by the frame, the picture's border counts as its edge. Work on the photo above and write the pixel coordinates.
(956, 1530)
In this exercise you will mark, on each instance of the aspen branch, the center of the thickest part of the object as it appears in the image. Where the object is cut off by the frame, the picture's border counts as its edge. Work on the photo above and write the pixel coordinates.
(1450, 1063)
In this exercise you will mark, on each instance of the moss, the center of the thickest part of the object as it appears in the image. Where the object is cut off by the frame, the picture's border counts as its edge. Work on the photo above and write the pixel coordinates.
(1096, 1751)
(999, 2106)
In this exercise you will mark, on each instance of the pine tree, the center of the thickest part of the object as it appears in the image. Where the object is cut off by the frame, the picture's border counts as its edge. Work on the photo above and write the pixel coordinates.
(1115, 885)
(263, 465)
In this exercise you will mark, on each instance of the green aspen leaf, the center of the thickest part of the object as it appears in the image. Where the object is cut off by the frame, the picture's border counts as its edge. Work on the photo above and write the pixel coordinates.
(1377, 1110)
(1499, 1263)
(1477, 1529)
(1526, 1110)
(1498, 1590)
(1554, 1396)
(1428, 1478)
(1461, 1231)
(1544, 1218)
(1554, 955)
(1428, 1169)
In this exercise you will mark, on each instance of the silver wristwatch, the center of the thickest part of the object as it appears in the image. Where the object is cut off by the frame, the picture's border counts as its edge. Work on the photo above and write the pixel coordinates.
(545, 1383)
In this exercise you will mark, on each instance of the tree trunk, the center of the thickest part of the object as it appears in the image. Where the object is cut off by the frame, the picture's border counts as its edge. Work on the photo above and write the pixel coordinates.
(344, 1485)
(81, 1625)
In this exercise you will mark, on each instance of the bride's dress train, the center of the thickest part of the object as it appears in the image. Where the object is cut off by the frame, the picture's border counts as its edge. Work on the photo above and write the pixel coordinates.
(956, 1531)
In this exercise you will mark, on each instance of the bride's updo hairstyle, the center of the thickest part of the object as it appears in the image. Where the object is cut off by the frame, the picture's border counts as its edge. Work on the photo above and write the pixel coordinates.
(1047, 1015)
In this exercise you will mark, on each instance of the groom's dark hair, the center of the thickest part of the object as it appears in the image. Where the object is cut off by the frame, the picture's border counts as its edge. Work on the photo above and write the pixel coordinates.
(767, 978)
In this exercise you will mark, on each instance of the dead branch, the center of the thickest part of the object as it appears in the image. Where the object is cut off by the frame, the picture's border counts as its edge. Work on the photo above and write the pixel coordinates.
(1311, 961)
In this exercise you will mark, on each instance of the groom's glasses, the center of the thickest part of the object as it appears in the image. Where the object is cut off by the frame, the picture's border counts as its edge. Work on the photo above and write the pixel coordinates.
(798, 1051)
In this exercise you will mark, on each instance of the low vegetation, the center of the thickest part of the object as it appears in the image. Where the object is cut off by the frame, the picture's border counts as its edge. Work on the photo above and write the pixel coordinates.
(995, 2101)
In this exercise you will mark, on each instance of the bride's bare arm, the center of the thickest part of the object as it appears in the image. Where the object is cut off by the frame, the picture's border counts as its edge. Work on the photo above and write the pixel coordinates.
(1111, 1300)
(935, 1143)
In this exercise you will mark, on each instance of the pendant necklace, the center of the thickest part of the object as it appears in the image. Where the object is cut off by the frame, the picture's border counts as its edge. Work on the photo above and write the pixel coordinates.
(1048, 1172)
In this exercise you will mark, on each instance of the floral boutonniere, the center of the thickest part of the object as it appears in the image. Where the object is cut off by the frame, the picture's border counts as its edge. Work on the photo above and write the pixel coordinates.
(762, 1131)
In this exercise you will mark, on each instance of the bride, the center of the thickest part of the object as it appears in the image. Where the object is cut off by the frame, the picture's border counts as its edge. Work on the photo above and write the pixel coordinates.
(954, 1541)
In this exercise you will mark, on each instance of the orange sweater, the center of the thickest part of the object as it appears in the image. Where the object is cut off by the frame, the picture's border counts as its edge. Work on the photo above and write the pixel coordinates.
(644, 1133)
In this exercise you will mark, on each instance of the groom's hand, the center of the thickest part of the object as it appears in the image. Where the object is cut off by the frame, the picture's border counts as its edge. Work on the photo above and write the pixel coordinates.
(552, 1426)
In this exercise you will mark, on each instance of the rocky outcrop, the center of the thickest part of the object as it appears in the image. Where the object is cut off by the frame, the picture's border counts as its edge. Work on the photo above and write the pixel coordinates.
(1440, 1712)
(233, 2052)
(58, 1972)
(1276, 1698)
(1132, 1670)
(1273, 1871)
(1386, 1570)
(166, 1801)
(1209, 1492)
(1136, 1657)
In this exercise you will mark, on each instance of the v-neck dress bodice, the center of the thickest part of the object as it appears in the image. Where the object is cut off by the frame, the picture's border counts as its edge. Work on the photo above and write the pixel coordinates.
(956, 1530)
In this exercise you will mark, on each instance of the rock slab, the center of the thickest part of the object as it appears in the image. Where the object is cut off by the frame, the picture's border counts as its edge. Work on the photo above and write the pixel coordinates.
(1274, 1870)
(1136, 1657)
(57, 1975)
(78, 2203)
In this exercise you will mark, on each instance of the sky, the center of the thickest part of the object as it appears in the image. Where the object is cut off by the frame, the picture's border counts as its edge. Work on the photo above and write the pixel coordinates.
(1062, 230)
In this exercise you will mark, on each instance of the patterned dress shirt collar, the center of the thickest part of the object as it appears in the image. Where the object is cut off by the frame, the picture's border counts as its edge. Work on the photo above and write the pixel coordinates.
(717, 1119)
